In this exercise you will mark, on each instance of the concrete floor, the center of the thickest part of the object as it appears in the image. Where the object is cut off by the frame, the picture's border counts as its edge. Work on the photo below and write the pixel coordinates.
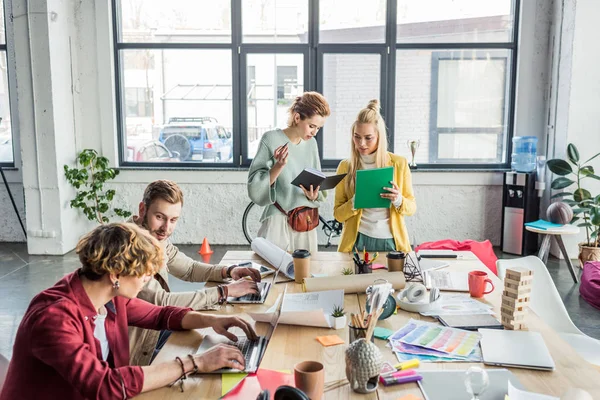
(23, 276)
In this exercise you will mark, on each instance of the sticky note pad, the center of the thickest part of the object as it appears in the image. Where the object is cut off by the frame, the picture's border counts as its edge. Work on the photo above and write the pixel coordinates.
(229, 381)
(330, 340)
(382, 333)
(409, 397)
(377, 266)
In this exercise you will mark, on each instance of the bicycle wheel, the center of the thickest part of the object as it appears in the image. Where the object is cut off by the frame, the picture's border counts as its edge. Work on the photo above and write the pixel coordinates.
(251, 221)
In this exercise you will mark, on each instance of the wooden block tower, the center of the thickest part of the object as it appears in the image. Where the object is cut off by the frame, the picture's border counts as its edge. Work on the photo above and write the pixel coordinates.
(515, 297)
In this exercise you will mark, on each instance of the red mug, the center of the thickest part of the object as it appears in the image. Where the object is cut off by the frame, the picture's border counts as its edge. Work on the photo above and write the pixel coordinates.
(477, 282)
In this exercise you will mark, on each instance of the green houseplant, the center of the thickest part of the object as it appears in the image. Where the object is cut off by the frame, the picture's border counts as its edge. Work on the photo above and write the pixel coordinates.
(339, 317)
(88, 178)
(572, 173)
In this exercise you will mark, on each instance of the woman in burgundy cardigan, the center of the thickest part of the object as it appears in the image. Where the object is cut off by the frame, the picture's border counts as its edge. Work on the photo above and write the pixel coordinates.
(72, 342)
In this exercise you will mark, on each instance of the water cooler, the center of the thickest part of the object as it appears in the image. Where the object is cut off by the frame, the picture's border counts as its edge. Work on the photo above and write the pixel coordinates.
(520, 204)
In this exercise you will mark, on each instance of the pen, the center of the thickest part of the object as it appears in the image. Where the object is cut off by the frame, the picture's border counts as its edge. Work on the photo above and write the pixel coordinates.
(397, 374)
(375, 256)
(414, 363)
(390, 380)
(367, 257)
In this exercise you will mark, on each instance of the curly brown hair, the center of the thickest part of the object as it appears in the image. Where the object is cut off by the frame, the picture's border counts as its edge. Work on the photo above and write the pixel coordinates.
(119, 248)
(163, 189)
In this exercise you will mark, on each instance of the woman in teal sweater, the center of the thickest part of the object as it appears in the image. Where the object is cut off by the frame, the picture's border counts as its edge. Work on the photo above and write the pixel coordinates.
(281, 156)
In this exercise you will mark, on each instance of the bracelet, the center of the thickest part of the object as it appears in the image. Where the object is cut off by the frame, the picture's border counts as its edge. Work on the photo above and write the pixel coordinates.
(229, 269)
(182, 377)
(195, 371)
(222, 296)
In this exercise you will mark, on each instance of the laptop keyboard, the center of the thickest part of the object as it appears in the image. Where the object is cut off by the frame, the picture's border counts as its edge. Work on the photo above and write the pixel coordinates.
(255, 297)
(246, 346)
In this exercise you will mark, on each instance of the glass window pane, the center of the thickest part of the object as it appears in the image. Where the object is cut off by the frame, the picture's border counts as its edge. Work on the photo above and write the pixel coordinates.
(178, 98)
(349, 82)
(273, 81)
(6, 143)
(455, 21)
(159, 21)
(275, 21)
(455, 103)
(352, 21)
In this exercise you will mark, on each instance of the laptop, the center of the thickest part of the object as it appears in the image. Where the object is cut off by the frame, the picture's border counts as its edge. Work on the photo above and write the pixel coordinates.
(518, 349)
(253, 351)
(256, 298)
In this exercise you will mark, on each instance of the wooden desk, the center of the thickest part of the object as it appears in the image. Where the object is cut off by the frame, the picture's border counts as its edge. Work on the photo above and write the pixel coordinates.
(292, 344)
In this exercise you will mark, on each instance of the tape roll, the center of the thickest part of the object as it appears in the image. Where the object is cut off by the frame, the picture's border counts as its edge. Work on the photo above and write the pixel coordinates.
(416, 293)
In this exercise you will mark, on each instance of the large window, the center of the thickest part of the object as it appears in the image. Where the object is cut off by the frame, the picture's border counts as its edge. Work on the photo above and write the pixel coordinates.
(199, 82)
(6, 134)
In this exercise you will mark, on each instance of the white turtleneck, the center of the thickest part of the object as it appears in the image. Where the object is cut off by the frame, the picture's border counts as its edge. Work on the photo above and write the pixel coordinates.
(375, 222)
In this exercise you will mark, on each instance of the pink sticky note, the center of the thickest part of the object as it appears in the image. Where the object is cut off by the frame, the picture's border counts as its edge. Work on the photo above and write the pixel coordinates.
(377, 266)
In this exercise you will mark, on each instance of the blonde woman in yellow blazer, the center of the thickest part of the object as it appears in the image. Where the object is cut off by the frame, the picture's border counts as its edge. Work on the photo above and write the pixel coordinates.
(378, 229)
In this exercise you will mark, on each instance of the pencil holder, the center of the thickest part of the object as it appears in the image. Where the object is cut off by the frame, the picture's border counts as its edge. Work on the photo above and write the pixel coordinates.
(362, 268)
(355, 333)
(363, 365)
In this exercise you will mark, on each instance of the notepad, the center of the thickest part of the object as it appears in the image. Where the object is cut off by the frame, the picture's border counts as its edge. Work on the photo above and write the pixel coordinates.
(330, 340)
(369, 186)
(311, 176)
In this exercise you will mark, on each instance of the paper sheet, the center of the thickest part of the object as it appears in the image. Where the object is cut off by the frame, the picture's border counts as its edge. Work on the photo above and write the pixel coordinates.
(274, 255)
(456, 342)
(516, 394)
(453, 304)
(307, 309)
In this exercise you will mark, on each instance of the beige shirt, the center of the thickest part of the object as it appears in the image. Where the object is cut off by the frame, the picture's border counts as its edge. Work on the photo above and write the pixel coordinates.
(142, 342)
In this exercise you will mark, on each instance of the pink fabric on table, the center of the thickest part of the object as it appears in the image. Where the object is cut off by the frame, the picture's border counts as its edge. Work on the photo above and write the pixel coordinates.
(483, 250)
(590, 283)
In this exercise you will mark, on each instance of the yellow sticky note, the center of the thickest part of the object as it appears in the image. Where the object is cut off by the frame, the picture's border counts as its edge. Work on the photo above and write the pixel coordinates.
(229, 381)
(330, 340)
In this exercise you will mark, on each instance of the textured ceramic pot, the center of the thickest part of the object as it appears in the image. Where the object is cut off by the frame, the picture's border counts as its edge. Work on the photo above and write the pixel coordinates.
(363, 365)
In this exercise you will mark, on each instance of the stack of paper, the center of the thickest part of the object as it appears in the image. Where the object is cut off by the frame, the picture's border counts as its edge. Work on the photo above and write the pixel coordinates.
(457, 304)
(308, 309)
(435, 343)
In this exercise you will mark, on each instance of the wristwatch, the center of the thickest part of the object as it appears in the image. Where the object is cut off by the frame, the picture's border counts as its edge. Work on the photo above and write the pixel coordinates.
(229, 269)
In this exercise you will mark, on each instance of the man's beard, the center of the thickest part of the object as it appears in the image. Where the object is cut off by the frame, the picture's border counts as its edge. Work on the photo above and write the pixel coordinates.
(145, 225)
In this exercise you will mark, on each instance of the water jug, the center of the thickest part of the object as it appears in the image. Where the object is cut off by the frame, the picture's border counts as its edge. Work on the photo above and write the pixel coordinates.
(523, 158)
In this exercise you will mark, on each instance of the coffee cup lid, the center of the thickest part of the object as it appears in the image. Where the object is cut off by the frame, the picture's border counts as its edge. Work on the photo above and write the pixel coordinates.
(396, 255)
(301, 253)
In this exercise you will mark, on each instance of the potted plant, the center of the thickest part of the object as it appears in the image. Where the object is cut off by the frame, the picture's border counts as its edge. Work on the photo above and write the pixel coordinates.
(89, 180)
(586, 207)
(339, 317)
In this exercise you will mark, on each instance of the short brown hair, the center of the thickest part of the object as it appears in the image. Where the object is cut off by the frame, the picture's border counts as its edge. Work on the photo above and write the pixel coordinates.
(120, 248)
(163, 189)
(308, 105)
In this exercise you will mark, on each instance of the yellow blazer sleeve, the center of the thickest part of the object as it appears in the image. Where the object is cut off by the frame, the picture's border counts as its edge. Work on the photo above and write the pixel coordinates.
(409, 204)
(343, 208)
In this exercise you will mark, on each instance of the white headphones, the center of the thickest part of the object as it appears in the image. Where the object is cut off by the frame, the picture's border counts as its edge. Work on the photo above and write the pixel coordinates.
(413, 298)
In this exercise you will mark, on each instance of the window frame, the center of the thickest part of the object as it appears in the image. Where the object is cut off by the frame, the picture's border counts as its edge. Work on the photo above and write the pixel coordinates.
(313, 53)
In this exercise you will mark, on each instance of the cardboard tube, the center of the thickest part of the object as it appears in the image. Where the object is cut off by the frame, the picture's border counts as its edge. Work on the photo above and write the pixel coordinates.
(352, 283)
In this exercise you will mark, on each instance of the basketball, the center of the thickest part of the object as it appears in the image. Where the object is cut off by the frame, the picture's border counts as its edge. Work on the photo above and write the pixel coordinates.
(559, 213)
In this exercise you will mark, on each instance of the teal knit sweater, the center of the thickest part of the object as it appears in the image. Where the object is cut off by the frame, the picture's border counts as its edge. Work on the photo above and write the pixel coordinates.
(301, 155)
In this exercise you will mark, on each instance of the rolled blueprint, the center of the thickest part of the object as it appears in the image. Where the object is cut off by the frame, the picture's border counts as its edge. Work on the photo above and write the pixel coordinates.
(274, 255)
(352, 283)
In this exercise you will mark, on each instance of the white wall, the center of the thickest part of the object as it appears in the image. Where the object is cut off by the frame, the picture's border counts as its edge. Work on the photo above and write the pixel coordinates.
(456, 205)
(577, 119)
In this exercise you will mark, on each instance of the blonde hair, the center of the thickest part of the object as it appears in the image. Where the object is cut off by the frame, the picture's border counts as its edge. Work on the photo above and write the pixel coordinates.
(163, 189)
(308, 105)
(368, 115)
(119, 248)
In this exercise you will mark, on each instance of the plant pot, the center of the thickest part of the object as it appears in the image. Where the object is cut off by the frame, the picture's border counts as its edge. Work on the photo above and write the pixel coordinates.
(588, 253)
(339, 322)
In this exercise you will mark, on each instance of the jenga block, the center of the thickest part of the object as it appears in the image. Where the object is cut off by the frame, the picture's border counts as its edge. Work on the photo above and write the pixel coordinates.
(516, 296)
(513, 325)
(524, 281)
(513, 311)
(520, 290)
(514, 303)
(517, 272)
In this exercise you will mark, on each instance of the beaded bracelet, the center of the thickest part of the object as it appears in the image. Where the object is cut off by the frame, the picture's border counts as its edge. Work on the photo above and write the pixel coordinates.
(195, 371)
(183, 375)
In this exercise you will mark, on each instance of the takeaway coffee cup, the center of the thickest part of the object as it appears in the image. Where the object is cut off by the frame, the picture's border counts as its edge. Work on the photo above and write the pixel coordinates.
(301, 264)
(395, 261)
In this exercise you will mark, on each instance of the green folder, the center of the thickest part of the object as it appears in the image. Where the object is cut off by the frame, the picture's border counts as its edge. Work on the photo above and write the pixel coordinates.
(369, 186)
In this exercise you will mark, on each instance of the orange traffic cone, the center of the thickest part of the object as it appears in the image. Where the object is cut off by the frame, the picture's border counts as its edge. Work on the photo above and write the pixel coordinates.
(205, 248)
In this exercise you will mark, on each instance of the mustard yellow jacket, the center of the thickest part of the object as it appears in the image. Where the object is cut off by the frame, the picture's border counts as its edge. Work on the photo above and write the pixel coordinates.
(343, 212)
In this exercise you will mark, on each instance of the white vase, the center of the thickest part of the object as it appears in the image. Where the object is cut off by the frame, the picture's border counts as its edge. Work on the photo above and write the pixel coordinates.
(339, 322)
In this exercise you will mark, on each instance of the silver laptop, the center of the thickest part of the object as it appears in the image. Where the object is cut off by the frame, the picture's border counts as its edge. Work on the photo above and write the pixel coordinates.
(518, 349)
(253, 351)
(256, 298)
